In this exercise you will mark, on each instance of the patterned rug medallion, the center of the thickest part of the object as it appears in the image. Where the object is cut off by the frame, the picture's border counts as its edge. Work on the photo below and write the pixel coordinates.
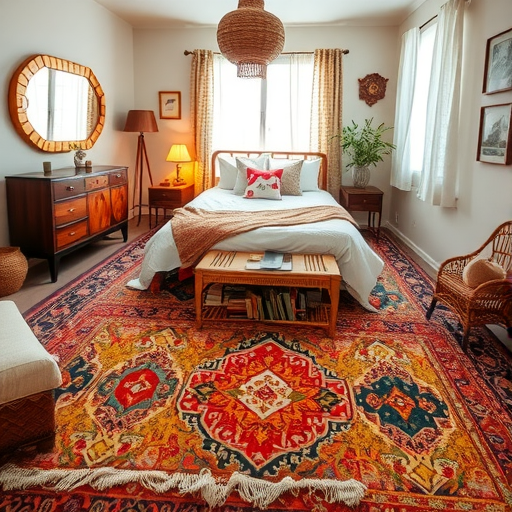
(155, 415)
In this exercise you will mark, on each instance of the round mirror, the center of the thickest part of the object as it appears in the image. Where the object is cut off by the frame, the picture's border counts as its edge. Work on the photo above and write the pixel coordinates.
(55, 103)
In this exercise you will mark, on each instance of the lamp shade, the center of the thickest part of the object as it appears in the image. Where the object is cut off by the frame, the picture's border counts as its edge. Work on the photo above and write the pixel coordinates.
(251, 38)
(140, 121)
(178, 153)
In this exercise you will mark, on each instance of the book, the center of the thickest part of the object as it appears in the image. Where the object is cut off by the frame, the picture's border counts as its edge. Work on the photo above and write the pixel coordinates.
(271, 260)
(256, 265)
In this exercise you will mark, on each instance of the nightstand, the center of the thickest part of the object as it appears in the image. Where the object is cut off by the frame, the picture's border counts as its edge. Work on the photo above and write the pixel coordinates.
(168, 198)
(367, 199)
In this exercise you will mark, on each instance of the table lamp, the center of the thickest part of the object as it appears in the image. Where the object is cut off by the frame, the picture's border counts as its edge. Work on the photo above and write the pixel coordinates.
(178, 154)
(140, 121)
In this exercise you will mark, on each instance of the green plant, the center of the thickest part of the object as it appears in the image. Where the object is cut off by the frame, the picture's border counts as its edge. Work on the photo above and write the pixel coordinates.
(364, 145)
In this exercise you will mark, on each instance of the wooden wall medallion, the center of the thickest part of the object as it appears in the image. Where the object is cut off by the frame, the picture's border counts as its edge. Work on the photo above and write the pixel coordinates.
(372, 88)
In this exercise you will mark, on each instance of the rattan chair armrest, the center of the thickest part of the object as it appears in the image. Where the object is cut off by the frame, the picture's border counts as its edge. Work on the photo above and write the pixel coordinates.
(456, 264)
(501, 288)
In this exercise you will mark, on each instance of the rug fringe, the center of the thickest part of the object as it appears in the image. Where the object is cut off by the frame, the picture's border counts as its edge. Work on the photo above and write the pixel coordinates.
(214, 491)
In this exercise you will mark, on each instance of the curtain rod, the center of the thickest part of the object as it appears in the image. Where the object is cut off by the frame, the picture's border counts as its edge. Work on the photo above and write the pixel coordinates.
(427, 22)
(187, 52)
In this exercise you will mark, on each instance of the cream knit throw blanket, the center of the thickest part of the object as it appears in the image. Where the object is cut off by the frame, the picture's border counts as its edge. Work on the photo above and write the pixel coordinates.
(195, 230)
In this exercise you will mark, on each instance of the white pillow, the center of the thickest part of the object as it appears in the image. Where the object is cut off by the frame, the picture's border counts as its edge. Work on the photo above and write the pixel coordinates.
(309, 175)
(227, 171)
(261, 163)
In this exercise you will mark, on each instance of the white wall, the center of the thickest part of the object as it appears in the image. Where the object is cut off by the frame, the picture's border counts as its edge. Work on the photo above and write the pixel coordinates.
(161, 66)
(485, 190)
(81, 31)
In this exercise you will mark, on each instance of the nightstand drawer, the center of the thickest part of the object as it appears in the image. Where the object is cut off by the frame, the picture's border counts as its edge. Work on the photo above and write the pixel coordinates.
(364, 202)
(165, 195)
(170, 197)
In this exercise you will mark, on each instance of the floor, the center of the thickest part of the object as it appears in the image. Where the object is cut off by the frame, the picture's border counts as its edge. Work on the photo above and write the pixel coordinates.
(38, 286)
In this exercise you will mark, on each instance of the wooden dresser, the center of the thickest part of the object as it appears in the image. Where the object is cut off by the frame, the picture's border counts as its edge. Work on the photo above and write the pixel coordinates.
(50, 216)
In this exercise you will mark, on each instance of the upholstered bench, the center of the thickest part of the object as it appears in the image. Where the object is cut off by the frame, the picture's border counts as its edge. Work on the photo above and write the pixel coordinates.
(28, 374)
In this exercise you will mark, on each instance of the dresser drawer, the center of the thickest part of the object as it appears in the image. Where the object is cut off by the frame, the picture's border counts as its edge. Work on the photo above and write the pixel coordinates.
(96, 182)
(118, 177)
(68, 188)
(69, 211)
(71, 234)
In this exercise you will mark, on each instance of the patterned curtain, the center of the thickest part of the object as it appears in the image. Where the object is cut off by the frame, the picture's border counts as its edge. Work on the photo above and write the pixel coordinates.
(326, 114)
(201, 112)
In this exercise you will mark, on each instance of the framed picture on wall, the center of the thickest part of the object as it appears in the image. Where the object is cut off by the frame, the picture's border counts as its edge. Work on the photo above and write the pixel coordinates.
(494, 141)
(170, 104)
(498, 63)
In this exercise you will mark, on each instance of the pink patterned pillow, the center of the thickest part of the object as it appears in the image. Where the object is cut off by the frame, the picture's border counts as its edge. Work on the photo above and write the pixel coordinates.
(263, 184)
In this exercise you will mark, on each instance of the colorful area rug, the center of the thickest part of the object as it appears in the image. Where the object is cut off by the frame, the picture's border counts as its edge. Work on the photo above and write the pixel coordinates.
(155, 415)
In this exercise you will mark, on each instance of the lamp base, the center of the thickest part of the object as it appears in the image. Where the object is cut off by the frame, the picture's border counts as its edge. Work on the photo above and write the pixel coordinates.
(178, 182)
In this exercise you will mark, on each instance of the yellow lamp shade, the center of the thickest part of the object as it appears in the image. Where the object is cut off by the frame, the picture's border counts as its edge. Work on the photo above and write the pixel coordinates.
(178, 153)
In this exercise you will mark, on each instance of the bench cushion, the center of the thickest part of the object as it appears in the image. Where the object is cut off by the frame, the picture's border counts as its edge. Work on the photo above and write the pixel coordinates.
(26, 367)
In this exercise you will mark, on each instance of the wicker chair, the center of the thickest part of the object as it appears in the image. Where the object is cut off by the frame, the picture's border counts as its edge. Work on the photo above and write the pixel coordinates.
(489, 303)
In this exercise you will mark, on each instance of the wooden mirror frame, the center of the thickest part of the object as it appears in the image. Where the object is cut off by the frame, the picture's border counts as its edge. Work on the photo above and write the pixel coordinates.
(18, 102)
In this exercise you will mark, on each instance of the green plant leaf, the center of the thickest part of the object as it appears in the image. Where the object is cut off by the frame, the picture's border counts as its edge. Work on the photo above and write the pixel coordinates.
(364, 146)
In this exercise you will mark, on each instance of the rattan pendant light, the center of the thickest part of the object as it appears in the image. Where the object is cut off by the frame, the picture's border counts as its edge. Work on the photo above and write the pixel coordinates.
(251, 38)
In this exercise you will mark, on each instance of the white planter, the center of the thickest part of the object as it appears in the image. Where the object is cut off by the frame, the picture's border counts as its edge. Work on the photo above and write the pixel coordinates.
(360, 176)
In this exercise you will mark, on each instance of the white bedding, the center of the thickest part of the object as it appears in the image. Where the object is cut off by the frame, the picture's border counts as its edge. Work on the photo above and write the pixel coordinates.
(358, 263)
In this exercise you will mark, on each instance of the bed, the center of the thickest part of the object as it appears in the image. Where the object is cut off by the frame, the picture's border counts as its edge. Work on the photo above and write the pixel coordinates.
(359, 265)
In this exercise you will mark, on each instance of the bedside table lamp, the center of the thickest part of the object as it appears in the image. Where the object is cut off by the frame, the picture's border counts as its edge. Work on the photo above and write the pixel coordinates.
(178, 154)
(140, 121)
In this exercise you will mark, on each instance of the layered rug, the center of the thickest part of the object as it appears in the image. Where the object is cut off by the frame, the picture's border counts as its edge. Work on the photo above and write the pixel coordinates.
(156, 415)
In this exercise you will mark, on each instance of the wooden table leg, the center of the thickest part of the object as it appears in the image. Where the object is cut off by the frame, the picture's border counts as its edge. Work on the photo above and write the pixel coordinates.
(199, 298)
(335, 300)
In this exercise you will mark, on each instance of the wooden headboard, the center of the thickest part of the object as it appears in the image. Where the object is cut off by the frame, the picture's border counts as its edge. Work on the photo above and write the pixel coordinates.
(322, 175)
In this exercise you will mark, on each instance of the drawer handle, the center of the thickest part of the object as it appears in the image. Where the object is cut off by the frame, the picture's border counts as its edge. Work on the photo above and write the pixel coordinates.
(73, 233)
(364, 200)
(71, 210)
(118, 175)
(70, 187)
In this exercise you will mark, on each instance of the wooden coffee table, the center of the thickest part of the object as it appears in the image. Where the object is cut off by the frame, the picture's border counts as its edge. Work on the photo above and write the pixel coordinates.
(309, 271)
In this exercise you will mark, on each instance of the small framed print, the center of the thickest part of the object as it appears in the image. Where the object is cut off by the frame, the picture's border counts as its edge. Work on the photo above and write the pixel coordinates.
(498, 63)
(170, 104)
(494, 141)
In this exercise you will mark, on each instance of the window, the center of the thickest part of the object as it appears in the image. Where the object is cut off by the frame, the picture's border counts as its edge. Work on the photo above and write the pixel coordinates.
(428, 105)
(419, 106)
(264, 114)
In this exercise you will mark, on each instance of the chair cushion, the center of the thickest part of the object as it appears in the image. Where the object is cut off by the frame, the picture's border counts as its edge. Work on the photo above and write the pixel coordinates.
(479, 271)
(26, 367)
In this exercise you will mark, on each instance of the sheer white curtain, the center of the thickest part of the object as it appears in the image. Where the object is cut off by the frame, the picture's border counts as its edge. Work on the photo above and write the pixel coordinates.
(237, 108)
(438, 184)
(272, 114)
(401, 171)
(288, 103)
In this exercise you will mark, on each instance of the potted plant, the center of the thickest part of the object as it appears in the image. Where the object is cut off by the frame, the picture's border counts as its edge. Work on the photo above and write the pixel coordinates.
(365, 147)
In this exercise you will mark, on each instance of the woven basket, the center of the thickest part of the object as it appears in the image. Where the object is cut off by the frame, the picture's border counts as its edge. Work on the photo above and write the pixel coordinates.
(13, 270)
